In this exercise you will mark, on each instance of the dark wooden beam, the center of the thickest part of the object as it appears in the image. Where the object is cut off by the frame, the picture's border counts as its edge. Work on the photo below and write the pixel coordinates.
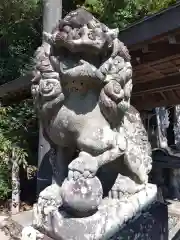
(163, 84)
(150, 27)
(157, 51)
(148, 103)
(15, 86)
(16, 98)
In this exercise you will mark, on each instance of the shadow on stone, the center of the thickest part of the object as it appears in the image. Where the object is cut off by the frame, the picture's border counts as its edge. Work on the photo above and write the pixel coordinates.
(177, 236)
(44, 175)
(152, 224)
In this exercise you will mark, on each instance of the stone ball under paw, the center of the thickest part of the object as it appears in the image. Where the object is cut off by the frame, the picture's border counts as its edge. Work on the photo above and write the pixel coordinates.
(83, 196)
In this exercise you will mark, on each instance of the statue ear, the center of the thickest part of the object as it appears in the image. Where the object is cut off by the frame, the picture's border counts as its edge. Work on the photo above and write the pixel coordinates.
(114, 33)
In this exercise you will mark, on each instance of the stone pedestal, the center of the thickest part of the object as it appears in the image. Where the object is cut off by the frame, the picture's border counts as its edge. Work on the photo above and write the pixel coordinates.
(129, 216)
(152, 224)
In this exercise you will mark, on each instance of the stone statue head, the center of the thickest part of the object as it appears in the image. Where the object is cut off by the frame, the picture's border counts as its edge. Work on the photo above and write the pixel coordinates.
(79, 30)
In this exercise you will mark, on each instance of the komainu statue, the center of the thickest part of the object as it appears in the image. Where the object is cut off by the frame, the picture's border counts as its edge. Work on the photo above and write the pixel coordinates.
(100, 152)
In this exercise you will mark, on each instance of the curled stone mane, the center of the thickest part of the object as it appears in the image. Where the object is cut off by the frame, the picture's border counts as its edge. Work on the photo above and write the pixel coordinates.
(46, 87)
(72, 33)
(115, 96)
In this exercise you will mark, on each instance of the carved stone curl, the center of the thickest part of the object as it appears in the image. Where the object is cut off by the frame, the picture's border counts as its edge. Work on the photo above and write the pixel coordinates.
(100, 151)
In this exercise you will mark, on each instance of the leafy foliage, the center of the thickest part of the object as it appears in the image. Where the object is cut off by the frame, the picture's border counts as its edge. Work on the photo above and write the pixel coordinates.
(20, 35)
(18, 141)
(118, 13)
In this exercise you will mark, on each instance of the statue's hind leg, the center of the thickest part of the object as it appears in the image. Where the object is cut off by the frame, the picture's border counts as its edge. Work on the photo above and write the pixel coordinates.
(124, 187)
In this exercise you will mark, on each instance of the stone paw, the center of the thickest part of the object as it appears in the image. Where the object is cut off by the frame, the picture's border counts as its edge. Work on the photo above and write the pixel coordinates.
(84, 166)
(50, 197)
(49, 200)
(124, 187)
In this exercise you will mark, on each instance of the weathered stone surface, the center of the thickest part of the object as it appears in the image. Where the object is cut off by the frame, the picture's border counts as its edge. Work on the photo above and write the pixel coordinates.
(174, 227)
(152, 224)
(110, 217)
(82, 197)
(82, 89)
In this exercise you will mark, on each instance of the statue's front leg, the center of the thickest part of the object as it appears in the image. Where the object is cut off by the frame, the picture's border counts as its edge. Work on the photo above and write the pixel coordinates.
(87, 165)
(124, 186)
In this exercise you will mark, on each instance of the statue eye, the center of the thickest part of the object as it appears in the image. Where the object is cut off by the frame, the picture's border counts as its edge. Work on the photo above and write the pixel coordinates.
(104, 28)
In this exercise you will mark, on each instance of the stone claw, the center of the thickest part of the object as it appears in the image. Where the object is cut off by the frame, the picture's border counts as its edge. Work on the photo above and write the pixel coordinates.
(85, 166)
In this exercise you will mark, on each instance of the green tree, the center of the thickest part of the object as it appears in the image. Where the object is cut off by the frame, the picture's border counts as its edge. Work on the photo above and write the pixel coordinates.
(18, 141)
(20, 35)
(118, 13)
